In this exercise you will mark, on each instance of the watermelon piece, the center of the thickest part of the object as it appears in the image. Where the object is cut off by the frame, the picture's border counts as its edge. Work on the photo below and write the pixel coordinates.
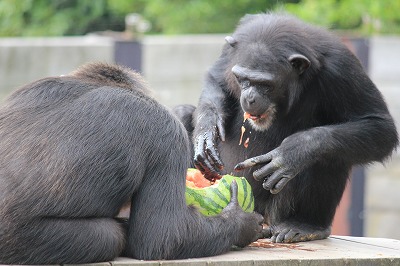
(210, 199)
(195, 179)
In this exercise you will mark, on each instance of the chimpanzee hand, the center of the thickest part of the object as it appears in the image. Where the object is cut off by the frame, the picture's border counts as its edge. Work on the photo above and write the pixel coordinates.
(250, 224)
(283, 163)
(206, 155)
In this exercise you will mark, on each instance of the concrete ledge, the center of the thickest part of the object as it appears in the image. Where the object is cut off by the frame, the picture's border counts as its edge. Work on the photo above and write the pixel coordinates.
(336, 250)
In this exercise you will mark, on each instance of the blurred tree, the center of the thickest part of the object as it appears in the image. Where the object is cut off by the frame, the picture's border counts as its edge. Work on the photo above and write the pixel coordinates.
(361, 16)
(77, 17)
(63, 17)
(201, 16)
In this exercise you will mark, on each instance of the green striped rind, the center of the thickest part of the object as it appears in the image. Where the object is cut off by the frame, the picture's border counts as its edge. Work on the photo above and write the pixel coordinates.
(211, 200)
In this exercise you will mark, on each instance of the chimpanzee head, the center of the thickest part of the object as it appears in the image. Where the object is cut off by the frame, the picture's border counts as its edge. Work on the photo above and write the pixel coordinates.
(268, 67)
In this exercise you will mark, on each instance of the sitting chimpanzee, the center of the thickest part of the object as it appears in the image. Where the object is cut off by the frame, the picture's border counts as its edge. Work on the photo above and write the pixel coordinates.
(74, 149)
(289, 105)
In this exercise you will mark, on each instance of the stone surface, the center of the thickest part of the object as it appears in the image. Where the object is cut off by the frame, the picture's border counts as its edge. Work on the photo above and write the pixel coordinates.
(336, 250)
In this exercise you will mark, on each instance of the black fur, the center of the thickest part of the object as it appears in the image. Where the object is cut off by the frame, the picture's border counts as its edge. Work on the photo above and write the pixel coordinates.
(316, 114)
(74, 149)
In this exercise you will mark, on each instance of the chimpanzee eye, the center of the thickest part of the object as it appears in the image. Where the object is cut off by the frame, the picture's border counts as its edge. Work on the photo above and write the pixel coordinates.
(263, 85)
(245, 83)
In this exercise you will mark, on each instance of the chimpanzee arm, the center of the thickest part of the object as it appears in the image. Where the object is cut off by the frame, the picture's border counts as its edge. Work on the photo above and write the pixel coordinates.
(210, 120)
(162, 226)
(356, 142)
(362, 133)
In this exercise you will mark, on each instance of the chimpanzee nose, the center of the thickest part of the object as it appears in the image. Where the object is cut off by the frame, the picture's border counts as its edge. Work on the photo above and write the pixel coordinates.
(252, 102)
(251, 99)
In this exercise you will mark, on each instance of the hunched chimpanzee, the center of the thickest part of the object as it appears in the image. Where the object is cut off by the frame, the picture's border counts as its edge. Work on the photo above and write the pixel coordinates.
(74, 149)
(291, 108)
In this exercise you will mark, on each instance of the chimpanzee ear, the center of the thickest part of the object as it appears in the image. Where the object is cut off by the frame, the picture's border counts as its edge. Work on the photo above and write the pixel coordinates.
(299, 62)
(230, 40)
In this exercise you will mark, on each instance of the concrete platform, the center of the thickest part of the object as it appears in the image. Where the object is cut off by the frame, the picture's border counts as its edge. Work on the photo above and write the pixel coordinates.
(336, 250)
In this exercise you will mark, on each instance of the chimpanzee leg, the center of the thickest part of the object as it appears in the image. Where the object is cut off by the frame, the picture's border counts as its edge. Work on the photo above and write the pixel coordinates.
(295, 215)
(59, 240)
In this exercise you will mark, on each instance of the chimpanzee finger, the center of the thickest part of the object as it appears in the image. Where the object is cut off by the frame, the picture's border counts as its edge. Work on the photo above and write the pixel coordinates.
(199, 152)
(266, 170)
(207, 170)
(202, 163)
(211, 175)
(266, 233)
(270, 182)
(234, 193)
(279, 236)
(213, 153)
(253, 161)
(289, 236)
(221, 129)
(279, 186)
(199, 161)
(199, 149)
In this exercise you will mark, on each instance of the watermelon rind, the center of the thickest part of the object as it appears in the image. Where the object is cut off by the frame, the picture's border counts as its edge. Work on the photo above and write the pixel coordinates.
(212, 200)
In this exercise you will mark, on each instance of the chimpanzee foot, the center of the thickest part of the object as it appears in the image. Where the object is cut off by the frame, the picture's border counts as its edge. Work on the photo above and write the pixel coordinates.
(295, 232)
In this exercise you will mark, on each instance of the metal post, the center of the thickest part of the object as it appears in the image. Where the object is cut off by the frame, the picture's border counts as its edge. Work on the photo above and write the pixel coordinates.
(360, 47)
(128, 53)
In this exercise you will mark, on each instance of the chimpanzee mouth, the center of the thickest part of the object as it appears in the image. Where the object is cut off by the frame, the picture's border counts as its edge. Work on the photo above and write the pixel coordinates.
(256, 117)
(263, 121)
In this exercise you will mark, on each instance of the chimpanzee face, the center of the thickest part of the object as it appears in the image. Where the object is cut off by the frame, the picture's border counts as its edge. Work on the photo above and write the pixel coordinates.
(266, 81)
(256, 96)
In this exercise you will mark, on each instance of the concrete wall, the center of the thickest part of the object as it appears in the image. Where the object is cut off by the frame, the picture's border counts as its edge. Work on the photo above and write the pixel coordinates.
(23, 60)
(382, 214)
(175, 67)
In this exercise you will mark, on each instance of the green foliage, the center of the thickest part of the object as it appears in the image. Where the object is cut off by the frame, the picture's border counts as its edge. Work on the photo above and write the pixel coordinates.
(62, 17)
(77, 17)
(361, 16)
(199, 16)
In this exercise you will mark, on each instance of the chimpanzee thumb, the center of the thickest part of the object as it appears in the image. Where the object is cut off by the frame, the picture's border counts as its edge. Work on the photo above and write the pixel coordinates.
(233, 205)
(234, 193)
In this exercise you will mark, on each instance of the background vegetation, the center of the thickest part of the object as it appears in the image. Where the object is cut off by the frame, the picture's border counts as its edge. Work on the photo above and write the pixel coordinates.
(77, 17)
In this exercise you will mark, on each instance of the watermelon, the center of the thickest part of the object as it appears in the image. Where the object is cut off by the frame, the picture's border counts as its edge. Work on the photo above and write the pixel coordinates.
(210, 198)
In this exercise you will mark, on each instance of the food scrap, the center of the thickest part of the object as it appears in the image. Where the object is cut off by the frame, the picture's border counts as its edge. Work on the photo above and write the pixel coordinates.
(243, 129)
(265, 243)
(241, 136)
(195, 179)
(246, 116)
(246, 143)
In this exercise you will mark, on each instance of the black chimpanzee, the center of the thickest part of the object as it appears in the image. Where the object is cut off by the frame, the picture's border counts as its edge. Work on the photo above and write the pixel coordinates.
(74, 149)
(312, 114)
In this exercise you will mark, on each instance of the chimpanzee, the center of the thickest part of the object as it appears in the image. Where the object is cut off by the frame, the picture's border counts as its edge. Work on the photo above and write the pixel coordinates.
(291, 108)
(74, 149)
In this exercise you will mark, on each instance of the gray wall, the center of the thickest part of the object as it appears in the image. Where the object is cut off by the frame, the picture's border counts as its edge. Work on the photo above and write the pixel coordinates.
(23, 60)
(175, 67)
(383, 180)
